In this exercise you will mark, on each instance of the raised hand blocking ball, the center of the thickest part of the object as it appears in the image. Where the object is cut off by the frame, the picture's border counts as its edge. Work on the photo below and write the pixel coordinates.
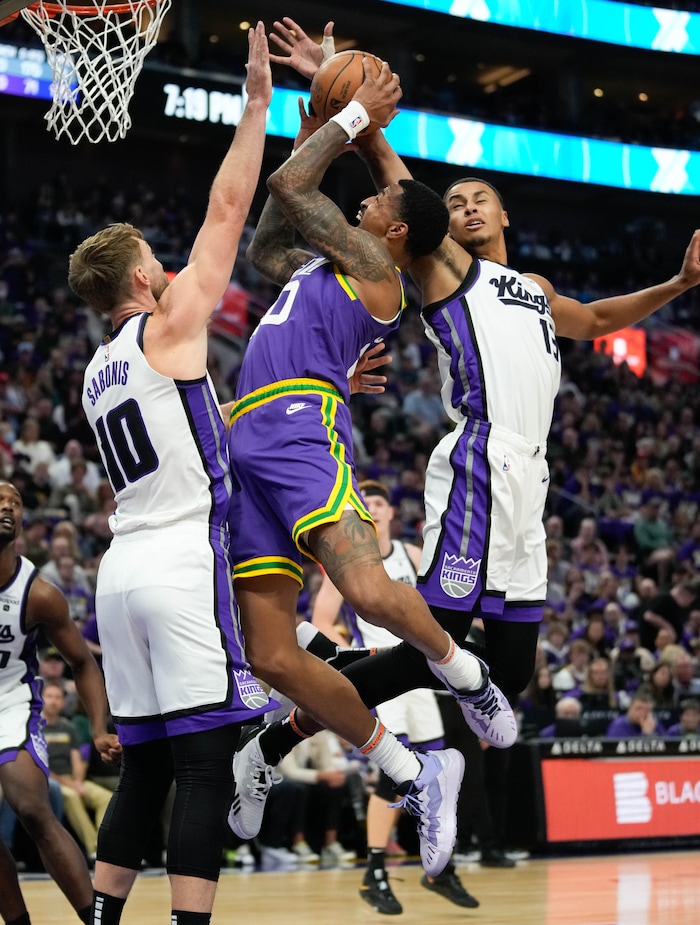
(335, 82)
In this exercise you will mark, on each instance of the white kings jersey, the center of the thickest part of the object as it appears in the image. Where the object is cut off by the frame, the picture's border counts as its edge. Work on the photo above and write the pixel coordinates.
(497, 352)
(399, 568)
(162, 440)
(19, 669)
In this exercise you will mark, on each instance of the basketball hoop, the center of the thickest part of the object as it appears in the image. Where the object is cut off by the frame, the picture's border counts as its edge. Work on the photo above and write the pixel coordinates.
(96, 52)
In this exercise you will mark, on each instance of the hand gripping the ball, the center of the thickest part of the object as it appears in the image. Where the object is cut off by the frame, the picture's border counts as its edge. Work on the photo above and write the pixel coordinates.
(379, 94)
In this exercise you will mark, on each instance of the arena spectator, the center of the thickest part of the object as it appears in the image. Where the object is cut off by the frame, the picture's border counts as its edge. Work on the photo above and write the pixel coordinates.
(60, 470)
(668, 610)
(29, 450)
(567, 722)
(537, 702)
(639, 720)
(573, 674)
(689, 722)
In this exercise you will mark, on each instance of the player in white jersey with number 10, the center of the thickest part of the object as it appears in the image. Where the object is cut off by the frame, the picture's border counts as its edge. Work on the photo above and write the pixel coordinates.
(177, 678)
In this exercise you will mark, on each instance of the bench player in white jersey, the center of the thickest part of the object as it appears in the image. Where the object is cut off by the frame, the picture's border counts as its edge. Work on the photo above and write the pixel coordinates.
(495, 332)
(414, 716)
(177, 679)
(29, 604)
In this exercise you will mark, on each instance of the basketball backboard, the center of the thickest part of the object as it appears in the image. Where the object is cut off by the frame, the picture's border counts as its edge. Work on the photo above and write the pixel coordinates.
(9, 7)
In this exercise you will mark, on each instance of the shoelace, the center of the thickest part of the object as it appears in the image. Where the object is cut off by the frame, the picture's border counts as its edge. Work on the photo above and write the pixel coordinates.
(412, 804)
(487, 702)
(260, 781)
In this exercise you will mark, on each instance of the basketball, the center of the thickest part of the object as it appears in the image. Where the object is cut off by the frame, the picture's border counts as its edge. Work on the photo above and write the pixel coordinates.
(335, 82)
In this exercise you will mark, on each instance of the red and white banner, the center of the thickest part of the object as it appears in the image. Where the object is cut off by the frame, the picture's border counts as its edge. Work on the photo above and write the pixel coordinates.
(591, 799)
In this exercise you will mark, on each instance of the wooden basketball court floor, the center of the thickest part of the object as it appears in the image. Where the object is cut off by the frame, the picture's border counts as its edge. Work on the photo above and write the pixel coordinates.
(626, 889)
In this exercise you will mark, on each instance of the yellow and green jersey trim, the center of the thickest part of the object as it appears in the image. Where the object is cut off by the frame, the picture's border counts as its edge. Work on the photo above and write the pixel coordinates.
(343, 493)
(347, 288)
(279, 389)
(269, 565)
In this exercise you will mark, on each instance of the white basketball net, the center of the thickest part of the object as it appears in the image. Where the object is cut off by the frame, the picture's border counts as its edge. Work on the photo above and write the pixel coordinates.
(96, 53)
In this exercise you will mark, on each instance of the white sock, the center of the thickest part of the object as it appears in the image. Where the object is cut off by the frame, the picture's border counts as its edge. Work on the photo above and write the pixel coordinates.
(305, 633)
(384, 749)
(460, 668)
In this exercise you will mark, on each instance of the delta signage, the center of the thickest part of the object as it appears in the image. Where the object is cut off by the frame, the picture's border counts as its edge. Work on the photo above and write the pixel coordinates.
(599, 799)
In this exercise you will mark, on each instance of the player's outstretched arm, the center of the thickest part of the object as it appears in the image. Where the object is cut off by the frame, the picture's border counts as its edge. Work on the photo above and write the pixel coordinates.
(300, 51)
(384, 164)
(604, 316)
(196, 291)
(272, 250)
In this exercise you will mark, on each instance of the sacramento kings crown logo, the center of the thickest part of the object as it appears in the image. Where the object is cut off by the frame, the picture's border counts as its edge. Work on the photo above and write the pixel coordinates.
(458, 575)
(252, 695)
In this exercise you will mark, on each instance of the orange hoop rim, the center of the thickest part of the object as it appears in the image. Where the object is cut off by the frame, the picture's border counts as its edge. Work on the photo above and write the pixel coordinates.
(55, 9)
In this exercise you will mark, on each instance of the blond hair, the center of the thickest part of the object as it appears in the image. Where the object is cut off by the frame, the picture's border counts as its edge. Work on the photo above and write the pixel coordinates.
(99, 270)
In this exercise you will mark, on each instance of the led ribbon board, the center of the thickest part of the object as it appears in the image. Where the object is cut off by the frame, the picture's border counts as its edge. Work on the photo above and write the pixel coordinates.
(481, 145)
(597, 20)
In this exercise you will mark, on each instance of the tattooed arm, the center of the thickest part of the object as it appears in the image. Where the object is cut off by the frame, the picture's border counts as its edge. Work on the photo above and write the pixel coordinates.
(295, 186)
(272, 251)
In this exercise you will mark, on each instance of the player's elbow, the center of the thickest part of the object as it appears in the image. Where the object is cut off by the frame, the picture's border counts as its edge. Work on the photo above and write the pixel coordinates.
(275, 182)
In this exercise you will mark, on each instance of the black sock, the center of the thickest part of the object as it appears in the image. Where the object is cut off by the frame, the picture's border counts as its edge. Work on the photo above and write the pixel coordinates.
(322, 647)
(346, 656)
(375, 858)
(106, 909)
(21, 920)
(84, 914)
(178, 917)
(278, 740)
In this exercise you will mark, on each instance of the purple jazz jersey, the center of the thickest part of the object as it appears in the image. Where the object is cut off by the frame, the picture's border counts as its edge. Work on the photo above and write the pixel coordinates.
(294, 470)
(291, 433)
(317, 329)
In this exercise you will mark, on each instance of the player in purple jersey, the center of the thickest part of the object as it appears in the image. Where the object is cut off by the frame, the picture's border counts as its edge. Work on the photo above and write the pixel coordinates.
(174, 664)
(291, 452)
(486, 481)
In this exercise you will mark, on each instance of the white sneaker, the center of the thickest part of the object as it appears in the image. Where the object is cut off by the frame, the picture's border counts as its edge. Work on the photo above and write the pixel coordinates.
(304, 853)
(486, 710)
(253, 779)
(245, 856)
(277, 859)
(334, 855)
(341, 853)
(432, 798)
(517, 855)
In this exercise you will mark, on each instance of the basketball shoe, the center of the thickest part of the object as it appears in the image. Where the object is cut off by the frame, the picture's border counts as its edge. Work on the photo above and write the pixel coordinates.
(451, 887)
(432, 798)
(486, 710)
(253, 778)
(376, 891)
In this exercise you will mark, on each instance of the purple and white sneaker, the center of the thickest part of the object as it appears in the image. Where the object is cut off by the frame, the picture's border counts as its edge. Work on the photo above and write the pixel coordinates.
(432, 798)
(486, 710)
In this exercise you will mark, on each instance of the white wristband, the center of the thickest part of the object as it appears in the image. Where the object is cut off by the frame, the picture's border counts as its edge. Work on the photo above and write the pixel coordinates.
(353, 119)
(328, 46)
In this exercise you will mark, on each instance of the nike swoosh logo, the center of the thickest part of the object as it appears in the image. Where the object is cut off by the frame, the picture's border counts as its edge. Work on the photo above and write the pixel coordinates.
(298, 406)
(545, 480)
